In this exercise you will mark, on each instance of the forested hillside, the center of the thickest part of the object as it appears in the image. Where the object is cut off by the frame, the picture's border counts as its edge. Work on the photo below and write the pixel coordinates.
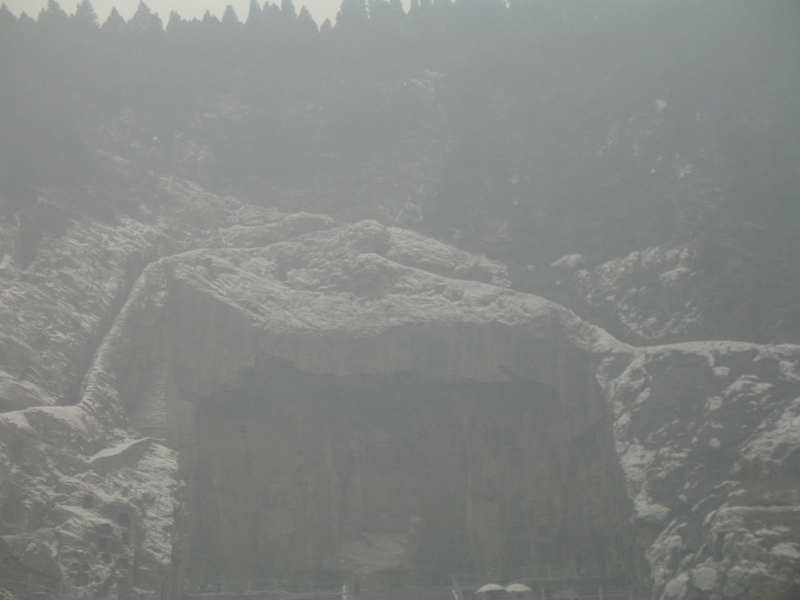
(526, 131)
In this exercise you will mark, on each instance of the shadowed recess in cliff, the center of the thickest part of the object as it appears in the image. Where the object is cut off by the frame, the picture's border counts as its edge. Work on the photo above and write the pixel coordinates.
(397, 478)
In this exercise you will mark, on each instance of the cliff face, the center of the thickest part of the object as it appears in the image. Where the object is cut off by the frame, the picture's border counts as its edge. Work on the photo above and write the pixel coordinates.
(707, 436)
(345, 393)
(395, 478)
(206, 389)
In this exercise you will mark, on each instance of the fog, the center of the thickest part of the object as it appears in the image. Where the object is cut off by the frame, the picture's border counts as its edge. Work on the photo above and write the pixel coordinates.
(423, 297)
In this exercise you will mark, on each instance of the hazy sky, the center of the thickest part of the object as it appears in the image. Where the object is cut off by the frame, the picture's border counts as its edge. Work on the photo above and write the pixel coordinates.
(188, 9)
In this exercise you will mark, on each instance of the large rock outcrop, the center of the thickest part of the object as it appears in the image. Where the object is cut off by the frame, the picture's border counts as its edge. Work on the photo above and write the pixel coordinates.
(283, 396)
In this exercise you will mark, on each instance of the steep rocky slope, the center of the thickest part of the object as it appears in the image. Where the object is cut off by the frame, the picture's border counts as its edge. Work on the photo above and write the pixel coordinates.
(206, 389)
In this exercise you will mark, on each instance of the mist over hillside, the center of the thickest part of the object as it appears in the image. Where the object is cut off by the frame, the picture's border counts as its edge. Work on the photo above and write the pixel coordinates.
(402, 304)
(527, 132)
(395, 306)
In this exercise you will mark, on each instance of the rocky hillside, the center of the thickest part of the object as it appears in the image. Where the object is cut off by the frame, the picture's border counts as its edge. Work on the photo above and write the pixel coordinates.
(418, 294)
(215, 390)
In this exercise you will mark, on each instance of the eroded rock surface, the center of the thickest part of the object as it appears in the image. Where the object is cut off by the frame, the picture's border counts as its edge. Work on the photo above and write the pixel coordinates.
(283, 395)
(707, 436)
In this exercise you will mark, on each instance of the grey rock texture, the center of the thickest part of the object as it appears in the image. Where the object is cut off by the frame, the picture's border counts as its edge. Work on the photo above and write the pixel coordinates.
(129, 345)
(644, 295)
(707, 436)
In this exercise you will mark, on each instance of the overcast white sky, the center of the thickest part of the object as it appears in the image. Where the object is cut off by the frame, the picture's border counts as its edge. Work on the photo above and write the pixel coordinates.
(188, 9)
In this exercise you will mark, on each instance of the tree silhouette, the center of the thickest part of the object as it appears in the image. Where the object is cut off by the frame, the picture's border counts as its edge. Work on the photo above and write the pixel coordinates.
(85, 15)
(144, 21)
(288, 10)
(229, 18)
(254, 14)
(114, 23)
(352, 15)
(306, 22)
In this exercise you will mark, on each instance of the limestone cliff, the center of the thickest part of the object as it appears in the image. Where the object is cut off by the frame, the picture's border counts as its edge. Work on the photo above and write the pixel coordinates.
(207, 390)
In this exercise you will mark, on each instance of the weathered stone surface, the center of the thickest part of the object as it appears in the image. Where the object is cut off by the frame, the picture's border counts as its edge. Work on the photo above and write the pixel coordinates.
(358, 400)
(645, 296)
(705, 433)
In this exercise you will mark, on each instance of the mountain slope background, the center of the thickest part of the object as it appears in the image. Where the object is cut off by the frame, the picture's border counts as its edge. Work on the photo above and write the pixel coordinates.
(527, 132)
(287, 303)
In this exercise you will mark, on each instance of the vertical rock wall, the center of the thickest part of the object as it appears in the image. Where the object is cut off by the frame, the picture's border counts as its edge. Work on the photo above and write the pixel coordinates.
(406, 473)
